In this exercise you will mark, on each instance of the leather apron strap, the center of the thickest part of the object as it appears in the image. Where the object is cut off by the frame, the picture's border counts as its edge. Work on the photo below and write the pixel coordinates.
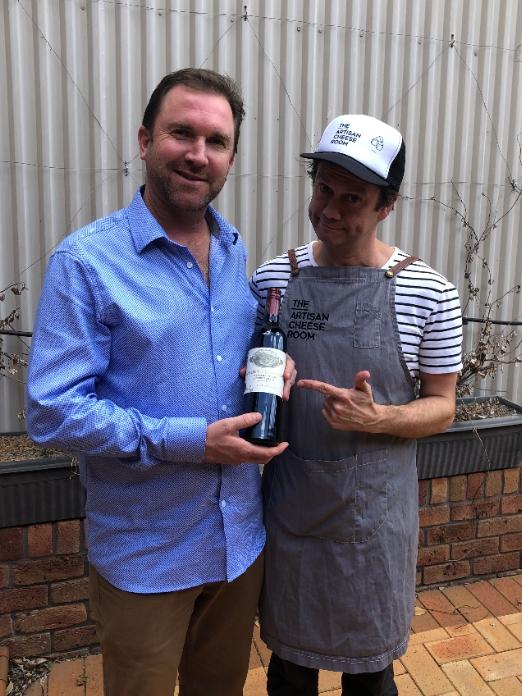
(392, 272)
(294, 272)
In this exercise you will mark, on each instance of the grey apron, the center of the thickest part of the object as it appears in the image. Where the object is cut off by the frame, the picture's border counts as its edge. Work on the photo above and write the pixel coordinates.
(341, 507)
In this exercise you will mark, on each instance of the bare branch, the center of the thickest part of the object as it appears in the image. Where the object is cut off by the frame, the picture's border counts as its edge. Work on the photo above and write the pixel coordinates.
(492, 350)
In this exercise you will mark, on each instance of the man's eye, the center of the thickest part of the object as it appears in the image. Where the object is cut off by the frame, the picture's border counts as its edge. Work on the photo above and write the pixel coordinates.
(323, 188)
(217, 142)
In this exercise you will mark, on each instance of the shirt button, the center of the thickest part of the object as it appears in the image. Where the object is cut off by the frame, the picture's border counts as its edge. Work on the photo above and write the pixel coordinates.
(223, 503)
(212, 308)
(189, 264)
(219, 358)
(224, 407)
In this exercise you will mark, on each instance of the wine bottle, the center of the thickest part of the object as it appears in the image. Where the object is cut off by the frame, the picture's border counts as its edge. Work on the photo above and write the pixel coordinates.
(264, 376)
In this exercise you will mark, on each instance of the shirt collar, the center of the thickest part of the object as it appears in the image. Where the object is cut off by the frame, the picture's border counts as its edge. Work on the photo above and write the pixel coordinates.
(145, 229)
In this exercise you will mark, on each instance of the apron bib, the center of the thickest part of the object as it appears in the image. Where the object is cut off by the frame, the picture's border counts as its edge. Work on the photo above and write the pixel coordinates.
(341, 507)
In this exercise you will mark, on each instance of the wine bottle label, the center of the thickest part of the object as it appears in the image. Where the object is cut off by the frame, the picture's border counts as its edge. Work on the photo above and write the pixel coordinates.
(265, 368)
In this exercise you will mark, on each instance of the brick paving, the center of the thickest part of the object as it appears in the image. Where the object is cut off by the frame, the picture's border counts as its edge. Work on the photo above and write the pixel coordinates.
(466, 641)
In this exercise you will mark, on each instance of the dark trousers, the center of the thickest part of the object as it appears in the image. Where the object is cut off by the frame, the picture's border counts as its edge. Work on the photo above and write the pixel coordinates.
(288, 679)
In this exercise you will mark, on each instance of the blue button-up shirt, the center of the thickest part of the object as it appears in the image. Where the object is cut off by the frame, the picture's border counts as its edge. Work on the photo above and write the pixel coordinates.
(133, 354)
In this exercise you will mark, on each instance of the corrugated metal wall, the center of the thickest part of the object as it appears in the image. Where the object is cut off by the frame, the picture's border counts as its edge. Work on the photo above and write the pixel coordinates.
(76, 75)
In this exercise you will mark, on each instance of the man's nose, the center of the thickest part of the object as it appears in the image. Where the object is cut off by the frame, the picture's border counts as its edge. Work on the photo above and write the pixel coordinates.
(197, 152)
(331, 210)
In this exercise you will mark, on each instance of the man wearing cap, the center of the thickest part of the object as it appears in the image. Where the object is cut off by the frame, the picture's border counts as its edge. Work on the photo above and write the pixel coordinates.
(376, 336)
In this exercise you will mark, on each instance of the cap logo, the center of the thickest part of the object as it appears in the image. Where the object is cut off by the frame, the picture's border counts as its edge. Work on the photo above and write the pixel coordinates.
(369, 149)
(344, 135)
(377, 143)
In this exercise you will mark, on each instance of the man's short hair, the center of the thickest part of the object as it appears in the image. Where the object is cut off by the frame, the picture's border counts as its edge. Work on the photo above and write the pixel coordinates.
(202, 81)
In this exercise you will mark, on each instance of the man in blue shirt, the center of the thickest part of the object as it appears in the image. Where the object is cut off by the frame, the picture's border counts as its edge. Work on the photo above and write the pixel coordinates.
(143, 326)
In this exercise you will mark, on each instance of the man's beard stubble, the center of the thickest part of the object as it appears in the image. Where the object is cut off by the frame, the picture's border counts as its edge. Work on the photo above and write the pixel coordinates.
(173, 194)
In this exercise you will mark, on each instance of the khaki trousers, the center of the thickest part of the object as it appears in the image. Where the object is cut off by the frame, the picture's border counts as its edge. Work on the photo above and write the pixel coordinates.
(203, 632)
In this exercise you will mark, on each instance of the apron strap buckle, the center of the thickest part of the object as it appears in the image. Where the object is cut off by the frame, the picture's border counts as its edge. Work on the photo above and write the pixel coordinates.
(392, 272)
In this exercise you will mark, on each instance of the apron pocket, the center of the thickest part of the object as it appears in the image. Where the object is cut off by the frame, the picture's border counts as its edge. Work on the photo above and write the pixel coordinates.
(367, 327)
(344, 501)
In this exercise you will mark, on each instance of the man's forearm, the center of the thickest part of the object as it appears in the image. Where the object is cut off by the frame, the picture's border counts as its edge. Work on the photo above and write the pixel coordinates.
(100, 427)
(425, 416)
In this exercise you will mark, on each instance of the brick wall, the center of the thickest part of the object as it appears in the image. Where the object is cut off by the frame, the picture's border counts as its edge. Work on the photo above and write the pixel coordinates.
(44, 589)
(470, 526)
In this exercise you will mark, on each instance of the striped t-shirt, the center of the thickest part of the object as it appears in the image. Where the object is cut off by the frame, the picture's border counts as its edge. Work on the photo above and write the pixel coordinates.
(426, 304)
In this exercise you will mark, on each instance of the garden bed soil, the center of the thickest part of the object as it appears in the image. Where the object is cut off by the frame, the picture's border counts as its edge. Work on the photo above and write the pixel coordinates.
(19, 448)
(491, 408)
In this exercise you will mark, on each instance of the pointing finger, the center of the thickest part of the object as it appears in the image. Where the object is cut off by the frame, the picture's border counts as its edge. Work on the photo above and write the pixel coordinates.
(322, 387)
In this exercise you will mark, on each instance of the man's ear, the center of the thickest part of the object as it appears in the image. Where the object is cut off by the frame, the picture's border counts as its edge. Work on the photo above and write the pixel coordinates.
(144, 140)
(383, 212)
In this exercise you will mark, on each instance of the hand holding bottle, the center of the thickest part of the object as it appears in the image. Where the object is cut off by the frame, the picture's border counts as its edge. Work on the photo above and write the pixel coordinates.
(224, 446)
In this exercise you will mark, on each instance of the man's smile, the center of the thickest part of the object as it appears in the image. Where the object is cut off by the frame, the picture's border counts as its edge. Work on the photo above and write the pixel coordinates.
(190, 176)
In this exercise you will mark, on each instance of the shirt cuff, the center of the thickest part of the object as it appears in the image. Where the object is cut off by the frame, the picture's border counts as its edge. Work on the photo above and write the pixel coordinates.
(172, 440)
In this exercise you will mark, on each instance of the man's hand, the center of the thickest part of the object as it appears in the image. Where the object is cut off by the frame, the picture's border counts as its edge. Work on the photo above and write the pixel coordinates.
(347, 408)
(224, 446)
(355, 409)
(289, 376)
